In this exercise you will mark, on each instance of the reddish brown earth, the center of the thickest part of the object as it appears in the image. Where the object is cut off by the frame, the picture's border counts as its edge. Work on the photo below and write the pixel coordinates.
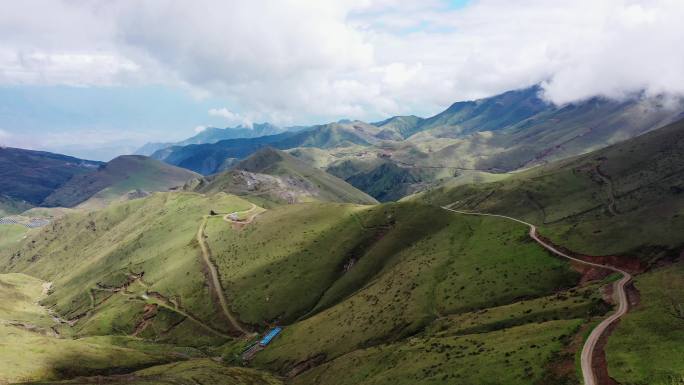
(149, 312)
(599, 362)
(631, 265)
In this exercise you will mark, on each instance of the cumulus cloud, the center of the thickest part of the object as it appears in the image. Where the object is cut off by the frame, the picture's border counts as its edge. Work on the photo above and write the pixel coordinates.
(199, 129)
(296, 61)
(231, 118)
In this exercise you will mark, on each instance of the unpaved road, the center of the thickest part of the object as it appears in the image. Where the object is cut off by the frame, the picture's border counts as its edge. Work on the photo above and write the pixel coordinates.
(587, 356)
(215, 279)
(243, 222)
(612, 204)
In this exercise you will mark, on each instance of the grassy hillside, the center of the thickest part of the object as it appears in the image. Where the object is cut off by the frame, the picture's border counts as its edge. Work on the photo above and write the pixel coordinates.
(647, 347)
(116, 178)
(11, 235)
(33, 348)
(209, 159)
(11, 206)
(271, 176)
(30, 176)
(345, 280)
(463, 266)
(105, 264)
(623, 200)
(191, 372)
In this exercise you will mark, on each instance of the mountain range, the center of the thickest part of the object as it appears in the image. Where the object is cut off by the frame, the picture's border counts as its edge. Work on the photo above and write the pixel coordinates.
(503, 133)
(511, 231)
(214, 134)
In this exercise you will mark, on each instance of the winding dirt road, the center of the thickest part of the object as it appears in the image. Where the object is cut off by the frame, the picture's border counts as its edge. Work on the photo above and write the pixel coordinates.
(245, 221)
(215, 279)
(587, 356)
(612, 203)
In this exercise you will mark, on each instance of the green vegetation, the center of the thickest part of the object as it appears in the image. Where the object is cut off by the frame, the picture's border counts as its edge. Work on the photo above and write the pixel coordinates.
(112, 268)
(10, 235)
(646, 348)
(202, 371)
(116, 178)
(344, 279)
(278, 177)
(33, 347)
(27, 177)
(464, 266)
(10, 206)
(511, 356)
(20, 293)
(621, 200)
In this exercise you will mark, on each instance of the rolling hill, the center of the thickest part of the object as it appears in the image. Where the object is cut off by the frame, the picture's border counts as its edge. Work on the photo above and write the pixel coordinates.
(623, 205)
(116, 178)
(173, 287)
(345, 281)
(28, 177)
(630, 191)
(212, 158)
(404, 154)
(278, 177)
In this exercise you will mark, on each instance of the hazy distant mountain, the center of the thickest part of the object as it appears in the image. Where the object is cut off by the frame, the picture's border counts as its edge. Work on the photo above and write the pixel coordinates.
(31, 176)
(215, 157)
(213, 135)
(404, 154)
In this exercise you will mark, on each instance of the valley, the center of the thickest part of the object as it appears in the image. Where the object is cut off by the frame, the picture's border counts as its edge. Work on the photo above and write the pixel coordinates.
(555, 271)
(375, 192)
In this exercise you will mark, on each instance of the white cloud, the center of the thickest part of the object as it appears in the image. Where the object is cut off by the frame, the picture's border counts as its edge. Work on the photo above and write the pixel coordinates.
(199, 129)
(296, 61)
(232, 118)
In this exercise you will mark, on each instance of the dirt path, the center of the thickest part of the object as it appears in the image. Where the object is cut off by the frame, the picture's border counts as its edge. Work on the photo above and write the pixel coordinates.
(612, 208)
(243, 222)
(206, 257)
(588, 373)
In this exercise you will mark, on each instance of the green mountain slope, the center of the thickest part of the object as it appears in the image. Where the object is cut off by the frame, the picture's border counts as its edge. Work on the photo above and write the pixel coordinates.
(498, 134)
(625, 199)
(212, 158)
(344, 280)
(296, 180)
(118, 177)
(31, 176)
(11, 206)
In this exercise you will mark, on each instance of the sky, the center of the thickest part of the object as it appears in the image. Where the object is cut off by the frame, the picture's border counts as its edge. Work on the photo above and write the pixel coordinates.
(99, 78)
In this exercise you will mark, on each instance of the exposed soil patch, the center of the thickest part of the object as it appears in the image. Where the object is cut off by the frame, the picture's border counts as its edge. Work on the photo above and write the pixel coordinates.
(599, 362)
(629, 264)
(561, 367)
(633, 295)
(305, 365)
(149, 312)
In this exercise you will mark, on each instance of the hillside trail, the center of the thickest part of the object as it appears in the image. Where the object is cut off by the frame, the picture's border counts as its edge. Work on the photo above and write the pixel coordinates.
(216, 283)
(243, 222)
(612, 204)
(588, 374)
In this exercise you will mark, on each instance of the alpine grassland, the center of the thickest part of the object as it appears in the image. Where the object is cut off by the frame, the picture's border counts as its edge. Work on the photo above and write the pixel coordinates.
(344, 281)
(646, 346)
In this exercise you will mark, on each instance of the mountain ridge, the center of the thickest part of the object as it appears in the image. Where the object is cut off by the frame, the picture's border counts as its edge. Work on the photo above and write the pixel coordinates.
(279, 177)
(116, 178)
